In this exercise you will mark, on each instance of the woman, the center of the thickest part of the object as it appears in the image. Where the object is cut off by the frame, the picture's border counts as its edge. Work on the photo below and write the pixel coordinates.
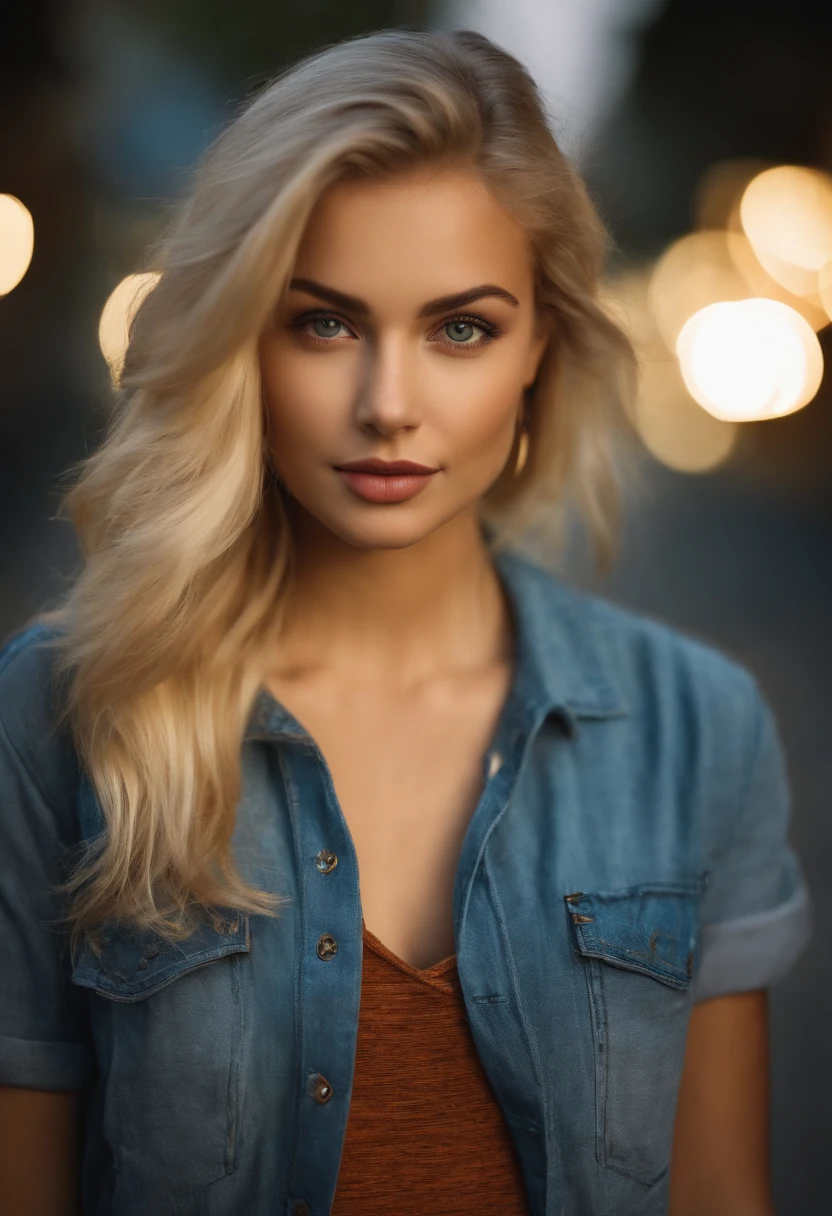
(301, 650)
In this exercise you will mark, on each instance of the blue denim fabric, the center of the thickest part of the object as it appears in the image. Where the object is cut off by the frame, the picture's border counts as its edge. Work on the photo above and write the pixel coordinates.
(628, 857)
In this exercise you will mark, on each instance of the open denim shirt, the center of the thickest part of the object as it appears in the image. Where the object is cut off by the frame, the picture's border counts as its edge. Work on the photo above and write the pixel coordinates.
(627, 857)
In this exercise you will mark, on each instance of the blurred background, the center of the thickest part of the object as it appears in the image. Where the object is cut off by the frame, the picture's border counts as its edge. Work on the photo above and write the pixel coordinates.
(704, 131)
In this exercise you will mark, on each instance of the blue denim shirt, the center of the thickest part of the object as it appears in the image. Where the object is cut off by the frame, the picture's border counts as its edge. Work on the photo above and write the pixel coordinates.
(628, 856)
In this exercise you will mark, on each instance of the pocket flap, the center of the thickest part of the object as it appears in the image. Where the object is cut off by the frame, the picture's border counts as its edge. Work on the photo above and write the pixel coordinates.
(651, 928)
(135, 963)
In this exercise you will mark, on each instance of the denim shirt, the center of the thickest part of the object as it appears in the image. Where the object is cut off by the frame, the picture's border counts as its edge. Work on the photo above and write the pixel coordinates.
(628, 857)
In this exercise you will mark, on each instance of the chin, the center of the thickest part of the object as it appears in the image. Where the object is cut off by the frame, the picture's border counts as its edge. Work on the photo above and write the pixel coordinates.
(392, 534)
(388, 527)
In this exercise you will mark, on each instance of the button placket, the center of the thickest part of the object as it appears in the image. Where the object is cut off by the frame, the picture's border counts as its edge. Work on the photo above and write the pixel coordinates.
(329, 990)
(326, 948)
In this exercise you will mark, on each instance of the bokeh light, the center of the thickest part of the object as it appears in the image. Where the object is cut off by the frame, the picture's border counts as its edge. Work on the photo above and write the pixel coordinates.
(17, 242)
(674, 428)
(671, 425)
(719, 192)
(825, 288)
(699, 269)
(749, 360)
(786, 213)
(117, 315)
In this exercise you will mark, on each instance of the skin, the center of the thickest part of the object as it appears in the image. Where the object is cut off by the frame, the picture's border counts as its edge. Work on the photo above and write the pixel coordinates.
(397, 610)
(396, 647)
(398, 632)
(721, 1136)
(40, 1152)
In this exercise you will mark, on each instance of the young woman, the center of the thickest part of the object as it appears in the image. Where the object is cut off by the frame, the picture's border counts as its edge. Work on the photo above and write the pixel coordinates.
(352, 862)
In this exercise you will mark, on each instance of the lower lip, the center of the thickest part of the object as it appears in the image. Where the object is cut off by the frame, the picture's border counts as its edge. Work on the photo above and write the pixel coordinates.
(384, 487)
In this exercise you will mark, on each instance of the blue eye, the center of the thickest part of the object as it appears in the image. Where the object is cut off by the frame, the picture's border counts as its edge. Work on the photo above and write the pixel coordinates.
(329, 333)
(462, 324)
(458, 329)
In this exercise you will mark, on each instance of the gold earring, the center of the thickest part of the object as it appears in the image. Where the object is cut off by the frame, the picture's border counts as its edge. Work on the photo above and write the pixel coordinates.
(522, 453)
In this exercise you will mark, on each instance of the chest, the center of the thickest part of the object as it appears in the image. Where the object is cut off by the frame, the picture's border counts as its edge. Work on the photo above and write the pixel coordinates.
(408, 773)
(221, 1012)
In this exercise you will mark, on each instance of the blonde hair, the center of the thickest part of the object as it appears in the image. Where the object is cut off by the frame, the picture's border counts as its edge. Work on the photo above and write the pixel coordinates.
(167, 629)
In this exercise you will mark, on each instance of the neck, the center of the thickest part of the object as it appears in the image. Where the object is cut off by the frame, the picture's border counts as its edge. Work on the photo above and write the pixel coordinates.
(396, 616)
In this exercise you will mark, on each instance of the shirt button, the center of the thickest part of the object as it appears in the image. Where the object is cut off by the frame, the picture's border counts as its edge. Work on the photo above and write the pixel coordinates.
(319, 1089)
(327, 947)
(325, 861)
(299, 1208)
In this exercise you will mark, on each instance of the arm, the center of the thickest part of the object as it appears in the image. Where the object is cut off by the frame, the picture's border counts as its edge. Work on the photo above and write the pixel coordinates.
(720, 1148)
(40, 1140)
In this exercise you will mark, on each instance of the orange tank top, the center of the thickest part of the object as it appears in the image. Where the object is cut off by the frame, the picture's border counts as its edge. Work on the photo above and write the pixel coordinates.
(425, 1131)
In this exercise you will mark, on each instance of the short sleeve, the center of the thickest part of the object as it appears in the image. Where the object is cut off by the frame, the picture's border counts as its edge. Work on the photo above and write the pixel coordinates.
(756, 913)
(44, 1041)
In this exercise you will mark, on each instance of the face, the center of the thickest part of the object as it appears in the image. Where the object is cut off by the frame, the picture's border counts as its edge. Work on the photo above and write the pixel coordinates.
(369, 357)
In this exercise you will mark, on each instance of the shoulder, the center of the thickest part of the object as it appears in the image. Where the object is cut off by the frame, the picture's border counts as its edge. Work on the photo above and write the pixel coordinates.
(33, 738)
(650, 659)
(683, 705)
(641, 660)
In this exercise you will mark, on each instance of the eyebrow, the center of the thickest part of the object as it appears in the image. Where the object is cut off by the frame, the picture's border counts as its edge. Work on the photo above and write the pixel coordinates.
(442, 304)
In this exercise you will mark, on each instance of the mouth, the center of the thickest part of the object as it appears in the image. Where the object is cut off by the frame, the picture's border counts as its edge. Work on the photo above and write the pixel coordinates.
(385, 481)
(386, 468)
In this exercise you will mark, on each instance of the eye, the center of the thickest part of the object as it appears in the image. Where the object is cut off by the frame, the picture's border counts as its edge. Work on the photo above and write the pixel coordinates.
(327, 324)
(459, 331)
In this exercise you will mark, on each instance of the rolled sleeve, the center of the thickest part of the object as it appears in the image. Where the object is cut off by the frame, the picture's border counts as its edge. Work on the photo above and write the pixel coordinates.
(756, 912)
(44, 1038)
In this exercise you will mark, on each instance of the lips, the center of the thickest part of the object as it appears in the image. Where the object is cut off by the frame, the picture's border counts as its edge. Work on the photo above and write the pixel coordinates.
(386, 468)
(385, 481)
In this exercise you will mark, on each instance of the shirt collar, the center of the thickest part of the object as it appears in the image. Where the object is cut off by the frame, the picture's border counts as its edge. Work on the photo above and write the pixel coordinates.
(560, 665)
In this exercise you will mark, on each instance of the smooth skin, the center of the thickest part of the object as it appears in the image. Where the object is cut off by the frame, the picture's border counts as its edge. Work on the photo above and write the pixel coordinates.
(40, 1152)
(396, 650)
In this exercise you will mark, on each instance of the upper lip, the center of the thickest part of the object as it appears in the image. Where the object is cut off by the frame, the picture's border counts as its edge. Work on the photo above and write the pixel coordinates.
(374, 465)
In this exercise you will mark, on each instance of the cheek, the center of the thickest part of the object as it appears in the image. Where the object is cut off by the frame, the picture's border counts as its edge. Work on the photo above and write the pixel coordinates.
(304, 400)
(483, 423)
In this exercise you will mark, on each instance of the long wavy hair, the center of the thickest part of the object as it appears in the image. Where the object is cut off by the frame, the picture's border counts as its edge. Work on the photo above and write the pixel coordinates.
(164, 634)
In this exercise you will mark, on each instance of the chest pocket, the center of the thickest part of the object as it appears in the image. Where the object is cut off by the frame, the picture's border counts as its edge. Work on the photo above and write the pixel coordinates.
(167, 1019)
(638, 948)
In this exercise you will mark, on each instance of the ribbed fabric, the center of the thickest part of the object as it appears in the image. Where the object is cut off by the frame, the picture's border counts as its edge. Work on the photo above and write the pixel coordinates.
(425, 1132)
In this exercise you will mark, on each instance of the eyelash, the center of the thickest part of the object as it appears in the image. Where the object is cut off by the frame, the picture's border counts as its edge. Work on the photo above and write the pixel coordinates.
(301, 319)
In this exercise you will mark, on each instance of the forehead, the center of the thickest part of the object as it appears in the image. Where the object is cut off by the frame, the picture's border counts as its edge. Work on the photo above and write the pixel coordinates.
(419, 235)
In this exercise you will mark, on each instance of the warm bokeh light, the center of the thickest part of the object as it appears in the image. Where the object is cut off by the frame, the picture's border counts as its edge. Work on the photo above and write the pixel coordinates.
(674, 428)
(671, 425)
(719, 192)
(825, 288)
(17, 241)
(699, 269)
(116, 316)
(786, 213)
(709, 267)
(750, 359)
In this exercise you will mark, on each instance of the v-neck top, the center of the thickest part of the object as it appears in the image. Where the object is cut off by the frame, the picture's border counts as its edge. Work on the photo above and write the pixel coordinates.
(425, 1132)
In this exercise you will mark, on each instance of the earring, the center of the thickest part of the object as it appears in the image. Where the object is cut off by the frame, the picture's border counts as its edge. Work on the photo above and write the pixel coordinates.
(522, 453)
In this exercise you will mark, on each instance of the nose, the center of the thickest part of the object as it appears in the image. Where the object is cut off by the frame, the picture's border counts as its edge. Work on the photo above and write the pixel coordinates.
(388, 400)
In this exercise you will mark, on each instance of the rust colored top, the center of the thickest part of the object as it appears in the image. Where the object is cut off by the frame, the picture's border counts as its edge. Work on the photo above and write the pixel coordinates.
(425, 1132)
